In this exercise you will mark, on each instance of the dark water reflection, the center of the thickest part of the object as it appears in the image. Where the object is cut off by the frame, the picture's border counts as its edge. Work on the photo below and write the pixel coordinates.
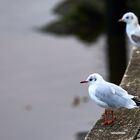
(40, 76)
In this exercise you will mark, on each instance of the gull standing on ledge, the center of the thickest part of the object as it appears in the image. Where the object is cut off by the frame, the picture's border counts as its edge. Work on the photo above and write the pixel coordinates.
(132, 28)
(109, 96)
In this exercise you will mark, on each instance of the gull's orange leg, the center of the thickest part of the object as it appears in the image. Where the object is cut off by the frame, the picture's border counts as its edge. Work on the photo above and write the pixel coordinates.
(106, 116)
(105, 122)
(112, 117)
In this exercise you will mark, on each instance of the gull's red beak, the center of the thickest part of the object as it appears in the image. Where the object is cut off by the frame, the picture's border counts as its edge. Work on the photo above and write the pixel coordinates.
(82, 82)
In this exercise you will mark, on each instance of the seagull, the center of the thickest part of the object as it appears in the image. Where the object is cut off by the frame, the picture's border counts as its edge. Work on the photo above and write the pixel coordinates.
(109, 96)
(132, 28)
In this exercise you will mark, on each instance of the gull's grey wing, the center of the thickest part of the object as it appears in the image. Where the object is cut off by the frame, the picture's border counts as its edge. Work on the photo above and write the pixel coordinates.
(135, 38)
(119, 91)
(113, 97)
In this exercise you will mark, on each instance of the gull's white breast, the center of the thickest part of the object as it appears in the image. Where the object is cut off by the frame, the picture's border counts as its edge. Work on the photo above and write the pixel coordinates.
(92, 91)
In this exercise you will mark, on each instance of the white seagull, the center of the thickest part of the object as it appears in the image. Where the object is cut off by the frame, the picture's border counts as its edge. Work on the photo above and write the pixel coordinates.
(109, 96)
(132, 28)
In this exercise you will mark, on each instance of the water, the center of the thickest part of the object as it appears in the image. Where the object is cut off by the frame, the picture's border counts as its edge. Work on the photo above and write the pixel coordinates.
(40, 76)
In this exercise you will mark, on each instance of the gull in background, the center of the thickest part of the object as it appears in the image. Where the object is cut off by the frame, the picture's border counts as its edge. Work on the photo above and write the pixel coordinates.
(109, 96)
(132, 28)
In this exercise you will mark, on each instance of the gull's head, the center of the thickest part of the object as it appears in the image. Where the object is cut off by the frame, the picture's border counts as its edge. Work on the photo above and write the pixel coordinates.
(129, 18)
(93, 79)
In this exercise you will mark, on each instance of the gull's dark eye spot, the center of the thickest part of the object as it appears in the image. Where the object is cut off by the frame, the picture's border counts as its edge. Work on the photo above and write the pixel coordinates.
(127, 17)
(90, 79)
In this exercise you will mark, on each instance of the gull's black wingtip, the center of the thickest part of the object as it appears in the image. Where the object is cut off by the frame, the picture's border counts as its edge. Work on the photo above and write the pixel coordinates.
(136, 101)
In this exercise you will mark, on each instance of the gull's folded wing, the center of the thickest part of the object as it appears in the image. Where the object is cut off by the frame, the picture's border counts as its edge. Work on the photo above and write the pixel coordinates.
(135, 38)
(113, 95)
(120, 91)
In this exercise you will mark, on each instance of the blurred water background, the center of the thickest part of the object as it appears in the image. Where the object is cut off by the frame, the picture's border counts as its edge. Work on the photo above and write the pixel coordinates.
(40, 94)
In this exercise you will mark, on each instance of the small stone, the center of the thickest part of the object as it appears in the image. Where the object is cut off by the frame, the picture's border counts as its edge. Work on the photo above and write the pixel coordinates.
(125, 75)
(125, 130)
(128, 85)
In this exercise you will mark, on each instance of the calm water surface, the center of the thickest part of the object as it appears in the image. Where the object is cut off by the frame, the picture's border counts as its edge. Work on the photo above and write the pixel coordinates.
(40, 76)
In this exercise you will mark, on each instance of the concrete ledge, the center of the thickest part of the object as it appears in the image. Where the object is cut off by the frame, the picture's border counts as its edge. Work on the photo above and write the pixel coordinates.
(127, 124)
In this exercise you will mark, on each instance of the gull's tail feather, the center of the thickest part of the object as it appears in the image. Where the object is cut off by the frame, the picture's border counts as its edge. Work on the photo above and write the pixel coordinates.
(136, 101)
